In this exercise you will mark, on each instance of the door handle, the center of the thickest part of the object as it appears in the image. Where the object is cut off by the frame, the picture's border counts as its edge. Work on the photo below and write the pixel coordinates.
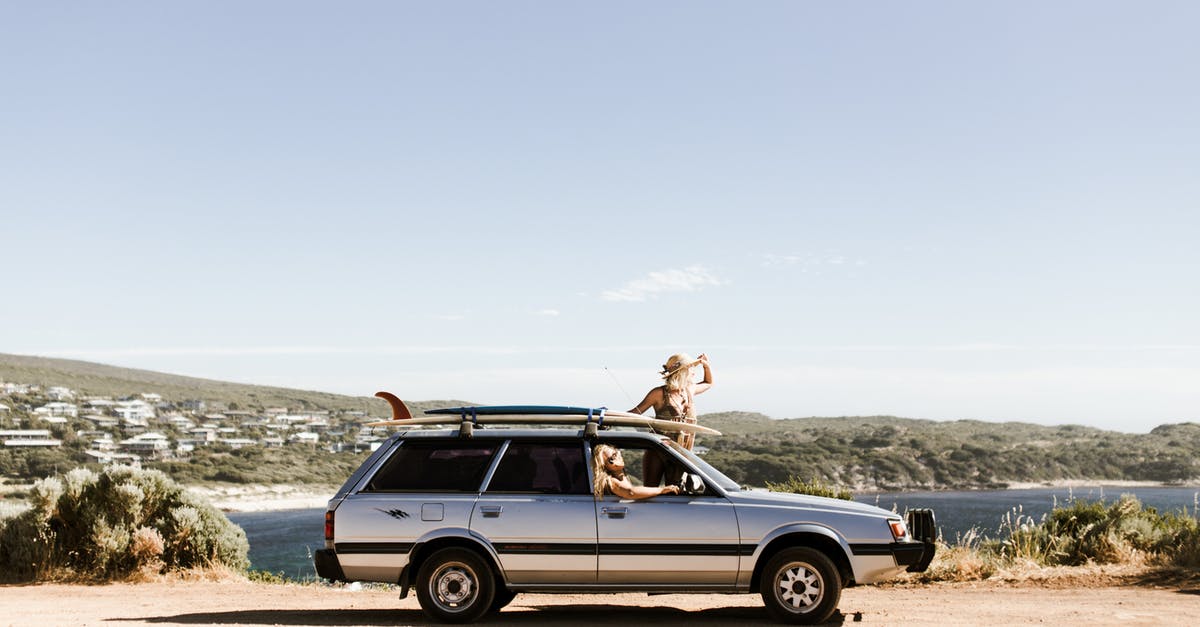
(490, 511)
(614, 512)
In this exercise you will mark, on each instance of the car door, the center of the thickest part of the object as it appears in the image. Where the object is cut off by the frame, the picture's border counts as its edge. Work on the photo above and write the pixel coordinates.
(681, 539)
(539, 514)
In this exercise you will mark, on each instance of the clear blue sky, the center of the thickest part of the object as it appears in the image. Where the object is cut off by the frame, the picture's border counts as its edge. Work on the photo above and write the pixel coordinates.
(927, 209)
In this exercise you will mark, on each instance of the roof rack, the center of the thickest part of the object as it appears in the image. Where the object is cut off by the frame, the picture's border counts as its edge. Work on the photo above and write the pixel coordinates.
(592, 418)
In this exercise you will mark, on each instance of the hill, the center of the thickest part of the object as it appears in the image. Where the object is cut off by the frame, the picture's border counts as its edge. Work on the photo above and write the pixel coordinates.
(859, 452)
(102, 380)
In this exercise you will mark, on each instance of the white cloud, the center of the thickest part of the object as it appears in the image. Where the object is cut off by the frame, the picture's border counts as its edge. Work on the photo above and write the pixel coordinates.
(811, 262)
(689, 279)
(546, 312)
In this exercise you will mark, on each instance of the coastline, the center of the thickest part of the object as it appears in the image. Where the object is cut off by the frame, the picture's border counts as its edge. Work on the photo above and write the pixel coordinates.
(258, 497)
(1001, 486)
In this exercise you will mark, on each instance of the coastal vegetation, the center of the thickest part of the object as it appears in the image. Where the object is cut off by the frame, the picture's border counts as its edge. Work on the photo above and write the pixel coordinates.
(883, 453)
(119, 523)
(1078, 533)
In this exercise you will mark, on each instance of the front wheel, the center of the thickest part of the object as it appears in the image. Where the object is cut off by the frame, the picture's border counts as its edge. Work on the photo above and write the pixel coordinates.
(800, 586)
(455, 586)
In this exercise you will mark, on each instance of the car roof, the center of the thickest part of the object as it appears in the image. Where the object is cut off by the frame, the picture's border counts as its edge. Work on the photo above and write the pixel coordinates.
(525, 433)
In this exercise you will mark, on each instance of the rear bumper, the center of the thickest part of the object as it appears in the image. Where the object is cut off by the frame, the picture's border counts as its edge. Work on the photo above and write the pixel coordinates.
(328, 566)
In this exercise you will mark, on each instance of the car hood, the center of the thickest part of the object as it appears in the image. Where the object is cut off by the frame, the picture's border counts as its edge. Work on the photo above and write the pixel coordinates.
(805, 501)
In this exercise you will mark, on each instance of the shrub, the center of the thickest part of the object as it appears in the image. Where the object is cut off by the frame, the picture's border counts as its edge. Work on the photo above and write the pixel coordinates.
(113, 524)
(1084, 532)
(815, 487)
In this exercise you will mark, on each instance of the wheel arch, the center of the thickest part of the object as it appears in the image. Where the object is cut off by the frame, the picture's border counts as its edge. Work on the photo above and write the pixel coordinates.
(813, 537)
(427, 547)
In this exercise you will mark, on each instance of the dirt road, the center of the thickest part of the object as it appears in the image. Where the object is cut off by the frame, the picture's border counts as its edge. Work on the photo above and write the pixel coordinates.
(242, 603)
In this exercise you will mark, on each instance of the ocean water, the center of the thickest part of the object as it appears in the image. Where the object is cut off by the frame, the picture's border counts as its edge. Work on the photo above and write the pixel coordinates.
(283, 541)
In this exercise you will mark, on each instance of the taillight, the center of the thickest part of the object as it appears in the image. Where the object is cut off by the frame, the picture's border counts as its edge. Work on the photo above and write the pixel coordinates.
(899, 530)
(329, 527)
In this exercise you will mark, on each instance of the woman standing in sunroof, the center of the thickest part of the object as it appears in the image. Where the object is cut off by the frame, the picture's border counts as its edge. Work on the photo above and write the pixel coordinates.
(674, 401)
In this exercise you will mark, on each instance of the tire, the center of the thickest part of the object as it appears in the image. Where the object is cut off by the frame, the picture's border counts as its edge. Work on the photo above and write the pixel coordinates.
(502, 598)
(800, 586)
(455, 586)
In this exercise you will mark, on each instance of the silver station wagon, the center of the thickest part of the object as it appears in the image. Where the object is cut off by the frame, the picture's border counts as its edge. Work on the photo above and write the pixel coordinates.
(471, 516)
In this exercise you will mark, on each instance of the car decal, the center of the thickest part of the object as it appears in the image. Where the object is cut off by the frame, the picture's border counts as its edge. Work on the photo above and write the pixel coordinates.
(398, 514)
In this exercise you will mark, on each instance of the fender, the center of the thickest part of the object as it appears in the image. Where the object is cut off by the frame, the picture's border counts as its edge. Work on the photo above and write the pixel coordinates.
(784, 530)
(458, 535)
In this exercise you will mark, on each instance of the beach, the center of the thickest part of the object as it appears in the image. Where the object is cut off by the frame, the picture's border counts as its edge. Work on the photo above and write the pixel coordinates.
(262, 498)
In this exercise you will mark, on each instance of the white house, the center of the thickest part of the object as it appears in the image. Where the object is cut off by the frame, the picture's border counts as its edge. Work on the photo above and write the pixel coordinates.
(28, 437)
(58, 408)
(137, 411)
(146, 445)
(237, 442)
(304, 437)
(59, 393)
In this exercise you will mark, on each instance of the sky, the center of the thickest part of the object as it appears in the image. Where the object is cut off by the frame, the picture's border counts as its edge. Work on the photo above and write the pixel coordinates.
(938, 210)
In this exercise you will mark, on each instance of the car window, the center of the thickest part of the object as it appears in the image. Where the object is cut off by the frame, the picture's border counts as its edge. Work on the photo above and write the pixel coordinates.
(443, 466)
(649, 465)
(716, 475)
(542, 468)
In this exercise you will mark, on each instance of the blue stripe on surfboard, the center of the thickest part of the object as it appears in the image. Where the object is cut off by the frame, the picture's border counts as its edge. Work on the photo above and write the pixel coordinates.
(532, 410)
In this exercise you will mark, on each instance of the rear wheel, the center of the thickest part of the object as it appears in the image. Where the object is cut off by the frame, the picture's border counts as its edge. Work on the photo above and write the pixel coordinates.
(455, 586)
(800, 586)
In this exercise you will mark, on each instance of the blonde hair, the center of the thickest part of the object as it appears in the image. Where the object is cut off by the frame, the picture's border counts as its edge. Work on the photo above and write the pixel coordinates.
(677, 373)
(600, 474)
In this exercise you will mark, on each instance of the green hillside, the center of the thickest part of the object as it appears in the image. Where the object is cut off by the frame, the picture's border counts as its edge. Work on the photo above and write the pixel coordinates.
(101, 380)
(858, 452)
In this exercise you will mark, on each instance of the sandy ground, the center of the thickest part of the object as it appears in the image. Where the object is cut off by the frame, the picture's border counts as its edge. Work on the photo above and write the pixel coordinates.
(243, 603)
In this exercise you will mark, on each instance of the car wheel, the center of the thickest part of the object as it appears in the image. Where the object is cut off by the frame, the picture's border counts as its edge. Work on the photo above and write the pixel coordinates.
(800, 586)
(502, 598)
(455, 586)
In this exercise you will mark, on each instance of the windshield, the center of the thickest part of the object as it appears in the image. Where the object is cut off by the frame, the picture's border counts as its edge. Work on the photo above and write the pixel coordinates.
(712, 473)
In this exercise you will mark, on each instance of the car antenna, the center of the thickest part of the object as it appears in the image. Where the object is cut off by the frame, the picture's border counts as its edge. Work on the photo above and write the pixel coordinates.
(619, 386)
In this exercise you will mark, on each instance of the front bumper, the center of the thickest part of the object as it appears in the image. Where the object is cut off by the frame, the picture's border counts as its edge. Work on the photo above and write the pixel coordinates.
(922, 526)
(328, 566)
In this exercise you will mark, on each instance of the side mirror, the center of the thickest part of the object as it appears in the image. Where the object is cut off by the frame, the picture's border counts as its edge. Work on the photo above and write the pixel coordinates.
(691, 484)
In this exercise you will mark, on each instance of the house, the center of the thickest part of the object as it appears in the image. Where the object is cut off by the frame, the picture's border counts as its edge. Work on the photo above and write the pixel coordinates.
(28, 437)
(150, 445)
(202, 436)
(58, 408)
(237, 442)
(304, 437)
(58, 393)
(181, 423)
(137, 410)
(101, 422)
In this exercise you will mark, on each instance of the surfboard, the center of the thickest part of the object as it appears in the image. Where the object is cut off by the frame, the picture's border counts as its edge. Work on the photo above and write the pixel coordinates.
(542, 415)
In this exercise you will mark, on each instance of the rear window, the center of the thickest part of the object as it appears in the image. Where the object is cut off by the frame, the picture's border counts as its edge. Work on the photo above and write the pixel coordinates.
(443, 466)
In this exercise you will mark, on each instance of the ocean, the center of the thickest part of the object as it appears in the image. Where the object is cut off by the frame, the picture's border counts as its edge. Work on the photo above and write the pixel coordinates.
(283, 541)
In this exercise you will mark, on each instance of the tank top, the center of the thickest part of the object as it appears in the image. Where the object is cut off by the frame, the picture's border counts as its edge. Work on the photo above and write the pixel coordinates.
(671, 410)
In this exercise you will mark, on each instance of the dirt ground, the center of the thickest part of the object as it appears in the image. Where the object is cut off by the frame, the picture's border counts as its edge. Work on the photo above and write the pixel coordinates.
(244, 603)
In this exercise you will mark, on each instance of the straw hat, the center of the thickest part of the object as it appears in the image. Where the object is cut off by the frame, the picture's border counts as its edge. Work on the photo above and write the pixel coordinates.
(677, 362)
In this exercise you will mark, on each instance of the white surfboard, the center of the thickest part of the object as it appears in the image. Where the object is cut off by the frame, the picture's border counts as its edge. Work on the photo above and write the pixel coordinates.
(543, 414)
